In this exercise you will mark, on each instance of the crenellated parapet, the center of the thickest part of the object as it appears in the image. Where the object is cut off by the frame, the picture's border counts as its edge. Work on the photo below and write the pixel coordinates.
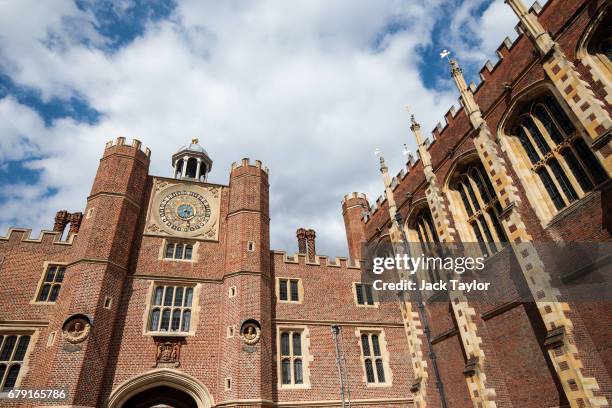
(353, 195)
(319, 260)
(45, 237)
(246, 163)
(119, 145)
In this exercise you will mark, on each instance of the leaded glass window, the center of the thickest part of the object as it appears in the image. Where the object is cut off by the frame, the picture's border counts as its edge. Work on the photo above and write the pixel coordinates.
(171, 309)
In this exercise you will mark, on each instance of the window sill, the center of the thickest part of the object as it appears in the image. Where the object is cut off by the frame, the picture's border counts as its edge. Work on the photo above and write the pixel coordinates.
(295, 302)
(289, 387)
(40, 303)
(379, 385)
(170, 334)
(178, 260)
(374, 306)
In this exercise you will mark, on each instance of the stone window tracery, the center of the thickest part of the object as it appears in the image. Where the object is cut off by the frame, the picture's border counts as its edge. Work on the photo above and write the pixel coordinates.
(423, 237)
(481, 207)
(364, 294)
(565, 166)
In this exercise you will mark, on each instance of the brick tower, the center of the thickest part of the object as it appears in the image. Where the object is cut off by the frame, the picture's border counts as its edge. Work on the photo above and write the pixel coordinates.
(354, 206)
(247, 287)
(96, 272)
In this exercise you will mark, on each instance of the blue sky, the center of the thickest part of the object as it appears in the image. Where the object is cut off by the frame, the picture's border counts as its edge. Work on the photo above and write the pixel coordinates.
(290, 83)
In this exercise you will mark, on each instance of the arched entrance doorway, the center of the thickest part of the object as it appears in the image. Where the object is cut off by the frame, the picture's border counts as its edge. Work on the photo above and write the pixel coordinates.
(164, 388)
(158, 397)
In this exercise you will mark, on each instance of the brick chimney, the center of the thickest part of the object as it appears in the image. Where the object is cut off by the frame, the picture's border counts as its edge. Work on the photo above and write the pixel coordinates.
(301, 237)
(75, 222)
(310, 242)
(61, 220)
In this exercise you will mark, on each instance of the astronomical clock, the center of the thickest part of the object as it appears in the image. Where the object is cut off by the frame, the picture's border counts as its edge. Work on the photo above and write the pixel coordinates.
(185, 210)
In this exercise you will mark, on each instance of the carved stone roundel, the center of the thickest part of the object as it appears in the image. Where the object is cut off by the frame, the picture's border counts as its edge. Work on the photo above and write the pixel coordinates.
(76, 330)
(250, 333)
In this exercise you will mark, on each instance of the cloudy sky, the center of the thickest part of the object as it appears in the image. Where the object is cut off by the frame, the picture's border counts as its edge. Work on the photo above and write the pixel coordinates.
(310, 87)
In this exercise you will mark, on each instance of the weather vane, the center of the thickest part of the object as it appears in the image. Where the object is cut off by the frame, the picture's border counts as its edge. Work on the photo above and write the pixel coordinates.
(445, 54)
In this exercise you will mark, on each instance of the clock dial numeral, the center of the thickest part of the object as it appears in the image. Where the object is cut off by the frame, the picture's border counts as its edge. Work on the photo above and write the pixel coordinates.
(184, 211)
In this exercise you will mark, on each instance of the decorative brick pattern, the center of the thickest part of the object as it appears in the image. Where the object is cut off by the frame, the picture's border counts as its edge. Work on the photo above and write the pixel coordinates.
(539, 281)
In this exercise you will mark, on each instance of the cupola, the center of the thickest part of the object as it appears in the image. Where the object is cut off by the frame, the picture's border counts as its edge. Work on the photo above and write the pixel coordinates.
(191, 162)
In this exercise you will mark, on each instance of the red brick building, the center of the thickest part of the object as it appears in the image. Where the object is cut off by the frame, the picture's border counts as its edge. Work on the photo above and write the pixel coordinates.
(165, 291)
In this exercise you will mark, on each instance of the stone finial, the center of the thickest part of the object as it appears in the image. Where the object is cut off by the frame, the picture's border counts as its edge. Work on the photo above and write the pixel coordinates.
(383, 165)
(455, 68)
(413, 123)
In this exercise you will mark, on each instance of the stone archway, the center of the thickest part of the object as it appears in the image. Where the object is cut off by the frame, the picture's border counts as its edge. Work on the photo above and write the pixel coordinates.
(162, 396)
(160, 388)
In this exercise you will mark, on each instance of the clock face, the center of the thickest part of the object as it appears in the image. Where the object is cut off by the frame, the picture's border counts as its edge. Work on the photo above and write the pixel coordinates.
(184, 211)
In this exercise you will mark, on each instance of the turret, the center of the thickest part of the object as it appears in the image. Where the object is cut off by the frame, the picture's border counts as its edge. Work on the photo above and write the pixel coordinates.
(247, 287)
(354, 207)
(96, 271)
(248, 218)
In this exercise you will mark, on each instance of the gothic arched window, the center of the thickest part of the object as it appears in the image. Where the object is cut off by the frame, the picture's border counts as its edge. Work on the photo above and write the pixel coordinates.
(422, 232)
(600, 43)
(424, 226)
(481, 206)
(565, 166)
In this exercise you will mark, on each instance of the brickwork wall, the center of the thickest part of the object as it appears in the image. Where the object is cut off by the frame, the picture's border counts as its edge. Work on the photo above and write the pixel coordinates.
(22, 260)
(329, 299)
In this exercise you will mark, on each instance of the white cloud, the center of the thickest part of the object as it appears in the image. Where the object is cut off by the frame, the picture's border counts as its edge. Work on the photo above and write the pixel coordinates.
(295, 84)
(474, 35)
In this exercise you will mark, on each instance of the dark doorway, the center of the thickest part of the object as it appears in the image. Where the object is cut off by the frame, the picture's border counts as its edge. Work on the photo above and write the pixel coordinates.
(162, 396)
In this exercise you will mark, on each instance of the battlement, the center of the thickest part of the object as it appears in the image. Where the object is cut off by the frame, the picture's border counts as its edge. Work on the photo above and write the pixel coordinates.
(353, 195)
(503, 51)
(246, 162)
(497, 76)
(319, 260)
(377, 204)
(136, 144)
(45, 237)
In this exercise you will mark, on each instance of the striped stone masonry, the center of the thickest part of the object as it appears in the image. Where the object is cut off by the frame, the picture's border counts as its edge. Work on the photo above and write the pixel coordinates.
(578, 389)
(480, 394)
